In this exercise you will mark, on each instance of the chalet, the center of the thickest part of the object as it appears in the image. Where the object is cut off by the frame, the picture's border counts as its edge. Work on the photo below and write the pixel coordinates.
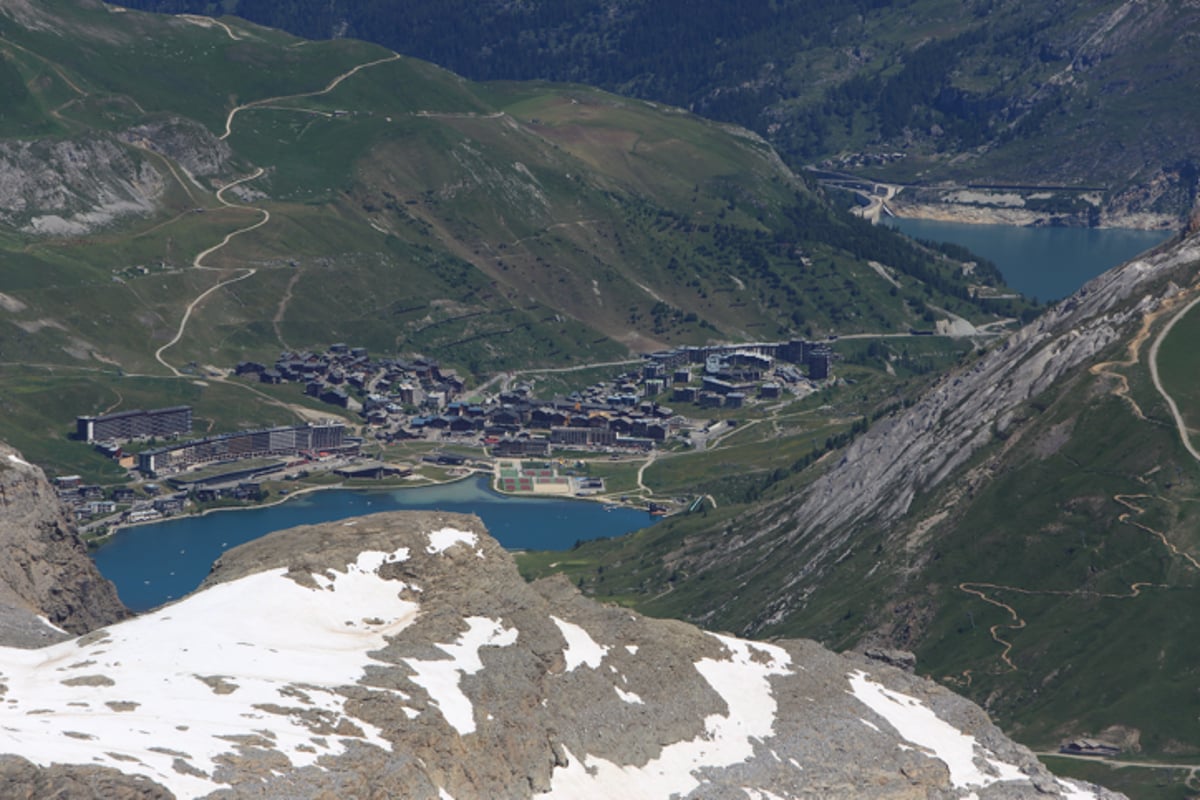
(248, 490)
(335, 397)
(547, 418)
(683, 394)
(513, 414)
(1089, 747)
(521, 447)
(172, 504)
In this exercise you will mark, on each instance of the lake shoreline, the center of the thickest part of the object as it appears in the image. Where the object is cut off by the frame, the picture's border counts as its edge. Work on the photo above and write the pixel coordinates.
(154, 563)
(1045, 263)
(97, 541)
(970, 214)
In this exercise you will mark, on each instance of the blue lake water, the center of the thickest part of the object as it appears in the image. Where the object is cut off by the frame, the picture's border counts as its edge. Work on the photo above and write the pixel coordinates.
(1043, 263)
(151, 564)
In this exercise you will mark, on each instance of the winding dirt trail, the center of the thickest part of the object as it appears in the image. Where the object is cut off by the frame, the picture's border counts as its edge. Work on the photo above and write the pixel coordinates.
(1135, 589)
(970, 587)
(333, 84)
(1184, 434)
(209, 22)
(198, 263)
(642, 471)
(1127, 517)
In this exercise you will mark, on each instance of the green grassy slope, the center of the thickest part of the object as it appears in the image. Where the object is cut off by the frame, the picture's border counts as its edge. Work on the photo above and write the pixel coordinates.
(410, 211)
(1054, 578)
(989, 91)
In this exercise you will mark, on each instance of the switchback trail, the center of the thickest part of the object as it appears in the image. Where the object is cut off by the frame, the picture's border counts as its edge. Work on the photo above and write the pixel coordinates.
(1135, 589)
(1127, 517)
(198, 263)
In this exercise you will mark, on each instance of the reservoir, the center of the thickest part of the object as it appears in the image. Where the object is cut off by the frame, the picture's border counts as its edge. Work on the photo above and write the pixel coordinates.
(1041, 263)
(152, 564)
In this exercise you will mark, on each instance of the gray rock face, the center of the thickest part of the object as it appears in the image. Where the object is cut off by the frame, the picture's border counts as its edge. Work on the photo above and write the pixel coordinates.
(74, 186)
(877, 478)
(186, 142)
(401, 655)
(46, 574)
(23, 780)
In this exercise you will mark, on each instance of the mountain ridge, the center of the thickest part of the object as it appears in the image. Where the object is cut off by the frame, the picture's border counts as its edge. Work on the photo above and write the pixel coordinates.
(430, 667)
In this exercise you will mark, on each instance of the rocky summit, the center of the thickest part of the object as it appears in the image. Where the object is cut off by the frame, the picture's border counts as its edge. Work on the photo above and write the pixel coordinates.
(402, 655)
(49, 588)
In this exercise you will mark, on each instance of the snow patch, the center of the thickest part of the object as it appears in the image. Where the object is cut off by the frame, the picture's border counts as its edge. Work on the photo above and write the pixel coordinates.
(629, 697)
(442, 540)
(582, 649)
(216, 660)
(939, 739)
(742, 679)
(441, 678)
(1076, 792)
(18, 460)
(760, 794)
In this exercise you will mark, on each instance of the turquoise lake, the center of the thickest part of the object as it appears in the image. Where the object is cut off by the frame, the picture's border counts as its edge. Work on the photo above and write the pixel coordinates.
(153, 564)
(1042, 263)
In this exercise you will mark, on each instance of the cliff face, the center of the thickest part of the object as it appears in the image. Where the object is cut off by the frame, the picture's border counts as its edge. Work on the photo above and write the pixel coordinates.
(402, 655)
(74, 186)
(46, 576)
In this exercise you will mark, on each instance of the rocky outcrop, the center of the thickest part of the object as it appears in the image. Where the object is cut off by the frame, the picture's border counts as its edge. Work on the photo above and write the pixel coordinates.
(74, 186)
(23, 780)
(49, 587)
(402, 655)
(186, 142)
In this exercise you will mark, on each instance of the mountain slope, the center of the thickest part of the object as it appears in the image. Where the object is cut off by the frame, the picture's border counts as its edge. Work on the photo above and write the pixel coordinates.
(48, 585)
(211, 192)
(1028, 528)
(988, 92)
(403, 653)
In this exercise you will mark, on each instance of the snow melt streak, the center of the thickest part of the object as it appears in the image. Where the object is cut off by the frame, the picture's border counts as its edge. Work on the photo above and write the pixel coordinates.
(441, 677)
(743, 682)
(918, 724)
(195, 671)
(582, 649)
